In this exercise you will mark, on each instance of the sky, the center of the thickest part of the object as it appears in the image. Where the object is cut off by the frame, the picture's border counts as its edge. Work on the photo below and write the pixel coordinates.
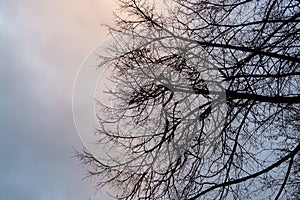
(42, 45)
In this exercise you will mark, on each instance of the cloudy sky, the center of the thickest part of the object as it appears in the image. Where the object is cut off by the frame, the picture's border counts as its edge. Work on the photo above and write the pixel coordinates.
(42, 45)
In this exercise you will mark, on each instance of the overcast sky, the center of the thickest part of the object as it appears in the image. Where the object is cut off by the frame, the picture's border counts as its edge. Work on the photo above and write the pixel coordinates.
(42, 44)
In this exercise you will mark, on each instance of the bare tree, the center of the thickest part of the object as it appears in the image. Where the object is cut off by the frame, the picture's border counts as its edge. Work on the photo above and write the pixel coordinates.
(206, 101)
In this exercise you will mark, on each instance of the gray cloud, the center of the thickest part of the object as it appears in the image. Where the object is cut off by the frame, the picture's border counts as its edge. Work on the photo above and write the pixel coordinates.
(41, 45)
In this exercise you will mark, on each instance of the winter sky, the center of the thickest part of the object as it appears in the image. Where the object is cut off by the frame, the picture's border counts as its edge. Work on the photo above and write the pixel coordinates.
(42, 45)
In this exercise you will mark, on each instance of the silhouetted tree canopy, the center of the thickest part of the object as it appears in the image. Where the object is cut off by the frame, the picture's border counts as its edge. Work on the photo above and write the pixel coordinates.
(205, 101)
